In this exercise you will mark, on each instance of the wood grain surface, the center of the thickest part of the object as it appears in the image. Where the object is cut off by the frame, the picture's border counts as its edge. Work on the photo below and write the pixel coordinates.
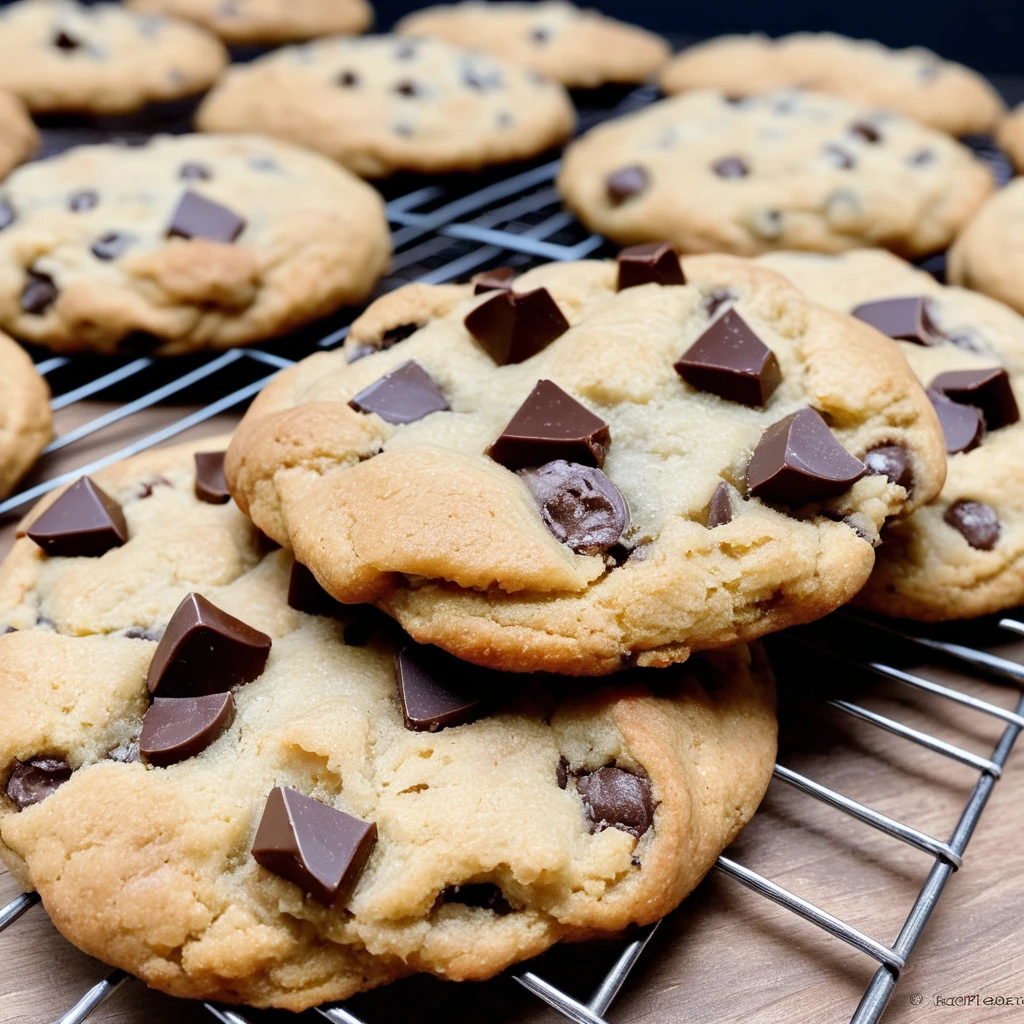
(727, 955)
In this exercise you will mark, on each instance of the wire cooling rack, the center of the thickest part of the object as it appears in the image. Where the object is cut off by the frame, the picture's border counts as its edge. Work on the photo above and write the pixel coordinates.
(445, 232)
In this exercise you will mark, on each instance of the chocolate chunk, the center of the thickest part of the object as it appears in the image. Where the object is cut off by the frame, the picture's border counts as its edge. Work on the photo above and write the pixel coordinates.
(497, 280)
(625, 183)
(7, 214)
(196, 217)
(34, 780)
(435, 689)
(963, 426)
(551, 425)
(306, 595)
(39, 293)
(903, 319)
(485, 895)
(891, 461)
(714, 301)
(977, 521)
(613, 798)
(720, 509)
(211, 486)
(192, 171)
(731, 361)
(407, 88)
(111, 245)
(80, 202)
(63, 40)
(512, 326)
(405, 395)
(580, 506)
(83, 522)
(989, 390)
(650, 263)
(731, 167)
(867, 132)
(321, 850)
(347, 79)
(176, 728)
(562, 773)
(204, 650)
(798, 459)
(838, 157)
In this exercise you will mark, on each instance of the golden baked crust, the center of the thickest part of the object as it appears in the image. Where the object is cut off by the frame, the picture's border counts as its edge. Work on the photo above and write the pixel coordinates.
(25, 422)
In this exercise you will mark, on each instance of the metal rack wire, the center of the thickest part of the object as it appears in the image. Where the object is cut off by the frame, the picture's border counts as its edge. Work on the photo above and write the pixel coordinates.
(442, 233)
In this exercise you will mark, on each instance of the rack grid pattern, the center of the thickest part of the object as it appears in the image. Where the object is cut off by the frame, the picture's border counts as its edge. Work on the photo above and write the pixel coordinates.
(440, 235)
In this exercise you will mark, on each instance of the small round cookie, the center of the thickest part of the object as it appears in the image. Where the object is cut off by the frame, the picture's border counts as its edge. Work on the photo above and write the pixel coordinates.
(787, 170)
(315, 805)
(58, 55)
(387, 103)
(18, 136)
(266, 22)
(914, 82)
(1011, 136)
(25, 423)
(602, 467)
(581, 49)
(190, 242)
(962, 555)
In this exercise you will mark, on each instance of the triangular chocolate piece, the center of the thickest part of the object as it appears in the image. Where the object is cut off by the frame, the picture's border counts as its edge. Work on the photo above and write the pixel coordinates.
(177, 728)
(902, 319)
(433, 687)
(650, 263)
(512, 326)
(989, 390)
(551, 425)
(963, 426)
(198, 217)
(320, 849)
(720, 507)
(83, 522)
(405, 395)
(211, 486)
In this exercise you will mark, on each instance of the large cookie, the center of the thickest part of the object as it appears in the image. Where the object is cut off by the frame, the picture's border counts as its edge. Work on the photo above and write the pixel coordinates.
(1011, 136)
(787, 170)
(101, 59)
(18, 135)
(579, 48)
(915, 82)
(267, 21)
(463, 824)
(25, 426)
(961, 555)
(727, 506)
(187, 243)
(387, 103)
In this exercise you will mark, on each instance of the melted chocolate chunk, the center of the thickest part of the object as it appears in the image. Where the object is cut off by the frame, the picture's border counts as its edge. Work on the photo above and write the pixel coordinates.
(211, 486)
(963, 426)
(192, 171)
(306, 595)
(435, 689)
(891, 461)
(319, 849)
(613, 798)
(197, 217)
(512, 326)
(204, 650)
(650, 263)
(720, 509)
(731, 167)
(579, 505)
(838, 157)
(405, 395)
(989, 390)
(903, 319)
(63, 40)
(33, 781)
(798, 459)
(866, 131)
(562, 773)
(551, 425)
(39, 293)
(497, 280)
(7, 214)
(485, 895)
(407, 88)
(731, 361)
(80, 202)
(976, 521)
(111, 245)
(83, 522)
(347, 79)
(625, 183)
(177, 728)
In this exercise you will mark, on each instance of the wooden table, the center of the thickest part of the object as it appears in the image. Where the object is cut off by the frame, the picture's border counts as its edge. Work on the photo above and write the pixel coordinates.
(727, 955)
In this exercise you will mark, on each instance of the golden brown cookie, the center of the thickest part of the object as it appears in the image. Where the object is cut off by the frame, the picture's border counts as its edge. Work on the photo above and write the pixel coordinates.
(25, 423)
(18, 137)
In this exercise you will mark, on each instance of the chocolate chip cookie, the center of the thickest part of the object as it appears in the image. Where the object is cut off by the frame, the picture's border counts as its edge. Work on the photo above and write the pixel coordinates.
(101, 59)
(390, 103)
(18, 135)
(187, 243)
(595, 465)
(310, 804)
(25, 425)
(787, 170)
(962, 555)
(915, 82)
(579, 48)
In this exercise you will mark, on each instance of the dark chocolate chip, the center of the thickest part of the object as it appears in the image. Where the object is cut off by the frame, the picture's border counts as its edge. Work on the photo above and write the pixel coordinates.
(407, 88)
(579, 505)
(204, 650)
(731, 361)
(33, 781)
(435, 689)
(838, 157)
(798, 459)
(497, 280)
(731, 167)
(39, 293)
(551, 425)
(192, 171)
(963, 426)
(512, 326)
(7, 214)
(125, 753)
(347, 79)
(922, 158)
(720, 297)
(891, 461)
(80, 202)
(196, 217)
(9, 629)
(904, 319)
(83, 522)
(989, 390)
(625, 183)
(177, 728)
(977, 521)
(111, 245)
(720, 509)
(306, 595)
(485, 895)
(63, 40)
(320, 849)
(562, 773)
(650, 263)
(211, 486)
(613, 798)
(405, 395)
(866, 131)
